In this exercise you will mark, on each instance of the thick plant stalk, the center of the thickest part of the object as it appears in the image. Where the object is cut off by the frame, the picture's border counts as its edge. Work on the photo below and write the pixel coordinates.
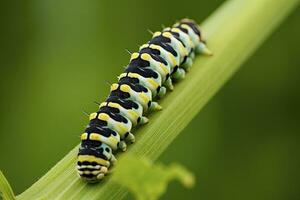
(233, 32)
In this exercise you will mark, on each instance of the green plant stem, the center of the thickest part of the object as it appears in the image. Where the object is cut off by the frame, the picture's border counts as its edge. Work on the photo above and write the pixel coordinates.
(5, 190)
(233, 33)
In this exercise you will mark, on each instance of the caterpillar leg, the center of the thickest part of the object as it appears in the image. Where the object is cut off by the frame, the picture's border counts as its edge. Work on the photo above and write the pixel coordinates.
(187, 64)
(130, 137)
(168, 83)
(179, 74)
(192, 55)
(154, 106)
(144, 120)
(202, 49)
(122, 145)
(162, 91)
(113, 159)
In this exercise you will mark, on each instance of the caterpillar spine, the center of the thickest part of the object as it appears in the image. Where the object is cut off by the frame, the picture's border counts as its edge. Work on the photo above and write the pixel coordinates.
(166, 58)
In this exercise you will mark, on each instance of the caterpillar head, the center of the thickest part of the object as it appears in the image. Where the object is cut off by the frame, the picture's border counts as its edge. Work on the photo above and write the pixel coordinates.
(93, 160)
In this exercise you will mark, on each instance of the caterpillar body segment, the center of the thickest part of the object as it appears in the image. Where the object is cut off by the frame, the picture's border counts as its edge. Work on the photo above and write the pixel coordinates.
(155, 63)
(194, 36)
(176, 72)
(152, 61)
(102, 134)
(184, 37)
(174, 42)
(143, 92)
(154, 85)
(144, 69)
(134, 114)
(188, 44)
(193, 30)
(165, 59)
(135, 92)
(106, 117)
(114, 122)
(147, 77)
(160, 51)
(174, 61)
(134, 108)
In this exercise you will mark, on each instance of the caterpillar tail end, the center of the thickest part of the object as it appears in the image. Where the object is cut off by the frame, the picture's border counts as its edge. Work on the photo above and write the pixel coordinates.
(202, 49)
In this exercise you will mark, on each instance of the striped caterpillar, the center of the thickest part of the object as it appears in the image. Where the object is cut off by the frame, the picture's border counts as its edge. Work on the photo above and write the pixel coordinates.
(150, 73)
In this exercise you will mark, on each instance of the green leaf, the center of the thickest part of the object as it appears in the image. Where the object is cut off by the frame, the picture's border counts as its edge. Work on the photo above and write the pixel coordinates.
(5, 190)
(146, 180)
(234, 32)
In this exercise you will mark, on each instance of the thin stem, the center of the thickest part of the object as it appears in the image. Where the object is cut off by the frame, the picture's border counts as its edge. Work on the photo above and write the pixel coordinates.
(5, 189)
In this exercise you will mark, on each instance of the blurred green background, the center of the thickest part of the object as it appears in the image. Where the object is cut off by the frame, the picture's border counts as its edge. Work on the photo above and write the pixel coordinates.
(56, 57)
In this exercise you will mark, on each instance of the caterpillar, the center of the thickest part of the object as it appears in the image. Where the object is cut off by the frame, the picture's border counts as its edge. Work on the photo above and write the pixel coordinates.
(151, 71)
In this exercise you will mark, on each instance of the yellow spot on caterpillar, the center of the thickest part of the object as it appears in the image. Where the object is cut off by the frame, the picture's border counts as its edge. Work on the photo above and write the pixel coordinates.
(103, 117)
(114, 105)
(157, 33)
(173, 59)
(154, 46)
(144, 46)
(164, 68)
(146, 57)
(144, 97)
(132, 114)
(125, 88)
(122, 128)
(122, 75)
(114, 87)
(134, 75)
(167, 34)
(84, 136)
(185, 52)
(102, 104)
(185, 26)
(153, 83)
(113, 141)
(176, 24)
(134, 56)
(89, 158)
(95, 136)
(176, 30)
(93, 116)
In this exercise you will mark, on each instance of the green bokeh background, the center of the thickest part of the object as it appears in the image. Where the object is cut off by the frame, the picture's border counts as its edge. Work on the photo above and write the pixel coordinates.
(55, 60)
